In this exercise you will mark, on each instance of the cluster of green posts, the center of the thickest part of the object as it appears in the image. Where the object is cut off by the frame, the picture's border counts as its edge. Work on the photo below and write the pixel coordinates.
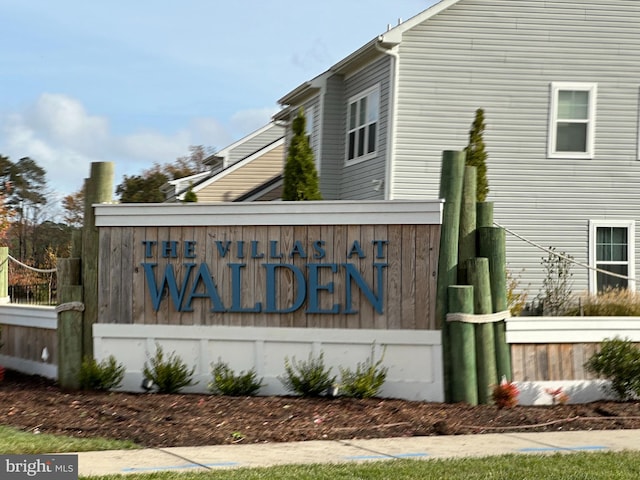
(471, 280)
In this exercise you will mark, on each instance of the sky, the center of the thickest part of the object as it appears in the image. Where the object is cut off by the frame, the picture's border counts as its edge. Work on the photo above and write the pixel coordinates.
(138, 81)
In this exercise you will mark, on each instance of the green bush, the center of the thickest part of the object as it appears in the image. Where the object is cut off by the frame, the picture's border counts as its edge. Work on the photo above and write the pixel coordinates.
(168, 375)
(226, 382)
(619, 362)
(366, 380)
(105, 375)
(310, 378)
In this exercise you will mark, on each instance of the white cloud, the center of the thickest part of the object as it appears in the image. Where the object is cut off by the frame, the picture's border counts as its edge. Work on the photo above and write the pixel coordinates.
(62, 137)
(247, 121)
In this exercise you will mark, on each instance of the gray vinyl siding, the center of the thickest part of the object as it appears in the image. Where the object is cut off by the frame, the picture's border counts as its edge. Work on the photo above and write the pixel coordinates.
(357, 179)
(502, 56)
(313, 106)
(252, 145)
(333, 137)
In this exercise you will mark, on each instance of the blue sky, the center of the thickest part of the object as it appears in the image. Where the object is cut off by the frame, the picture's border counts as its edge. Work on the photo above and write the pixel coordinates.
(138, 81)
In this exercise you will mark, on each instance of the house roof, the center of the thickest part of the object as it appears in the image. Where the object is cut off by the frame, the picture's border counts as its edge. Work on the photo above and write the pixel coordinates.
(261, 190)
(226, 150)
(363, 55)
(212, 177)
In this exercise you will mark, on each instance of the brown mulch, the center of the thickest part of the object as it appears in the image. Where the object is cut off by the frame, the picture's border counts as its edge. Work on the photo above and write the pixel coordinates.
(35, 404)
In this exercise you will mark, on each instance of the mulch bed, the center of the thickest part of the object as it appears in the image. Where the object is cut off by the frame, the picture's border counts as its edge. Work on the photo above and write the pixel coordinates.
(37, 405)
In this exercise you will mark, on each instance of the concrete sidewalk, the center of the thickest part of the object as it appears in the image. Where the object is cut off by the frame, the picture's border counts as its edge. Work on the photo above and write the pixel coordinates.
(340, 451)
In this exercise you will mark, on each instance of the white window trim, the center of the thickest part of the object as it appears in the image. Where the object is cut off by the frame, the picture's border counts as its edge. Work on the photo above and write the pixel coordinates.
(631, 255)
(373, 154)
(638, 138)
(592, 88)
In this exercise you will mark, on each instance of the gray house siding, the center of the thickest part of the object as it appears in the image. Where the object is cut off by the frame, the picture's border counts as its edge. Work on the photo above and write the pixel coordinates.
(252, 145)
(358, 180)
(333, 136)
(502, 56)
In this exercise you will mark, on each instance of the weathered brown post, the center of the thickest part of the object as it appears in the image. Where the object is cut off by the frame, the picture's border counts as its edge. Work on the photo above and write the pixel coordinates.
(98, 189)
(4, 275)
(70, 331)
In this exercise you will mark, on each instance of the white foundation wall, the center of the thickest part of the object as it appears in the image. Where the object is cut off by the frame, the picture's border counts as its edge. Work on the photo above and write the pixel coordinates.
(413, 357)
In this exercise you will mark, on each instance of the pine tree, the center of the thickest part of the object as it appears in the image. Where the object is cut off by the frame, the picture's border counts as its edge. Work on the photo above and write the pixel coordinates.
(300, 175)
(190, 195)
(477, 156)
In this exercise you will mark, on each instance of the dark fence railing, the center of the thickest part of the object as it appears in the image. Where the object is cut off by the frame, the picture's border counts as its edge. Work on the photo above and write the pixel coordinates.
(41, 294)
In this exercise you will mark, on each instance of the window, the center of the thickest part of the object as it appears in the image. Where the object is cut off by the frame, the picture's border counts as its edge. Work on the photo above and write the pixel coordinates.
(362, 125)
(611, 248)
(572, 120)
(310, 117)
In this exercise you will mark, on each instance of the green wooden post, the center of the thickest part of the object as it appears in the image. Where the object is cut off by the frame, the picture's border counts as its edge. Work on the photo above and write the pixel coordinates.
(484, 214)
(467, 238)
(478, 270)
(69, 330)
(99, 188)
(451, 178)
(491, 244)
(464, 378)
(4, 275)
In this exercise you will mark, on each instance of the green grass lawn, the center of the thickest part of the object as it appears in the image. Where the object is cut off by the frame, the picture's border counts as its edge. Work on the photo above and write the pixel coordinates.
(15, 441)
(574, 466)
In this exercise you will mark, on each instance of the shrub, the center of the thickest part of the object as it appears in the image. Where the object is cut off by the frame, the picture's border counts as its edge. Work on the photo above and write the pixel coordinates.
(169, 375)
(105, 375)
(557, 284)
(613, 302)
(367, 379)
(226, 382)
(310, 378)
(619, 362)
(516, 300)
(505, 394)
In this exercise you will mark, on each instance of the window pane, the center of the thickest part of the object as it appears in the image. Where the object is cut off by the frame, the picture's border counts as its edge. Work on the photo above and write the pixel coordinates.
(309, 117)
(374, 106)
(603, 235)
(571, 137)
(352, 115)
(361, 133)
(371, 147)
(352, 145)
(363, 112)
(603, 252)
(573, 105)
(619, 235)
(605, 281)
(611, 244)
(618, 252)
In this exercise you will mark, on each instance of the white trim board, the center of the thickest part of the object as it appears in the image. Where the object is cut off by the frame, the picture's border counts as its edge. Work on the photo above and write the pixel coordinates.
(571, 329)
(29, 316)
(373, 212)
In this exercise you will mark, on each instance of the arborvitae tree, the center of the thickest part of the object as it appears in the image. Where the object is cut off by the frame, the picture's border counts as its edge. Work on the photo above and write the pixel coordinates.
(300, 175)
(190, 195)
(477, 156)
